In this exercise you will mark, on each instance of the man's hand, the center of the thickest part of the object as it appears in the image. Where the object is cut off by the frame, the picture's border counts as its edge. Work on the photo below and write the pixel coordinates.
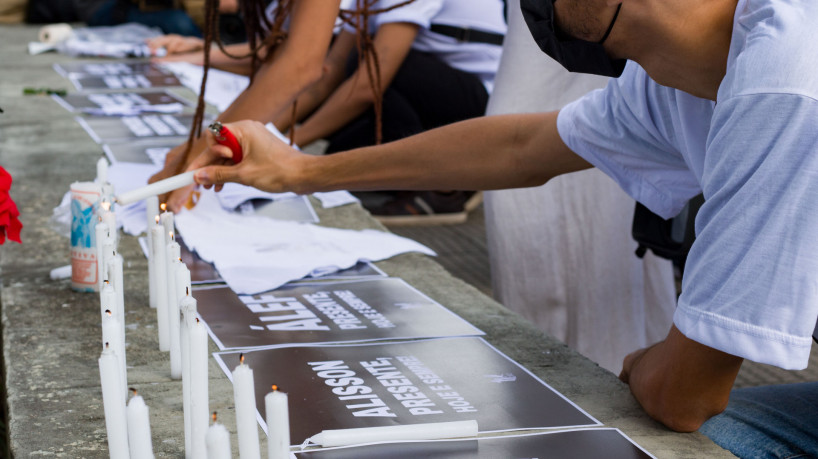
(268, 164)
(679, 382)
(176, 44)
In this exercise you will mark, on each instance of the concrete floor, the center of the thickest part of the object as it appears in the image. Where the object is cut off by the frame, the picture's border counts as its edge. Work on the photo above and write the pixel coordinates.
(462, 251)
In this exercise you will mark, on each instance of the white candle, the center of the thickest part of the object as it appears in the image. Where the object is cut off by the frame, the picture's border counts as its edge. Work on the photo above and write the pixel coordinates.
(183, 286)
(139, 428)
(166, 219)
(109, 218)
(198, 388)
(157, 188)
(101, 233)
(107, 299)
(244, 396)
(113, 404)
(431, 431)
(152, 217)
(173, 310)
(159, 255)
(115, 277)
(112, 335)
(188, 308)
(278, 425)
(102, 171)
(218, 441)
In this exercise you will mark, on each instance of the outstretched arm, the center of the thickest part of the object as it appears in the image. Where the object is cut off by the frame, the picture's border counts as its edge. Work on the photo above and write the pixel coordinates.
(506, 151)
(679, 382)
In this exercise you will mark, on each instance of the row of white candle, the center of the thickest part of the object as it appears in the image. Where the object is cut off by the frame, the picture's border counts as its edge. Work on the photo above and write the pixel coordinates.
(186, 340)
(128, 426)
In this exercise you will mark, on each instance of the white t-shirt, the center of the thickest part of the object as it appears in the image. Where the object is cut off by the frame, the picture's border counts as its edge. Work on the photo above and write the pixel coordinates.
(480, 59)
(750, 285)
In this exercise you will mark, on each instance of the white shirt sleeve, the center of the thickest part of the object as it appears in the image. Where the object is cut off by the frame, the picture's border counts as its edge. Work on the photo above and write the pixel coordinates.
(751, 280)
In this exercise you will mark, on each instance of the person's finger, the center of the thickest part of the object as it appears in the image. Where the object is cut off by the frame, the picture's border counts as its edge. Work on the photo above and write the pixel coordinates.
(216, 175)
(214, 154)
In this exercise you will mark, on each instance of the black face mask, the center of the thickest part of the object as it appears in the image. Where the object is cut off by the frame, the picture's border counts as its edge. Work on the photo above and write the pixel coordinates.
(573, 54)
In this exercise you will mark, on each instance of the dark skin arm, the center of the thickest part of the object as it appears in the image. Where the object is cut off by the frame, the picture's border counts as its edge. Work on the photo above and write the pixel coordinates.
(680, 382)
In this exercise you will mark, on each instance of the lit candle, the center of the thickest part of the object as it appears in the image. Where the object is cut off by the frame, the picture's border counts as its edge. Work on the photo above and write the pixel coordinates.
(218, 441)
(431, 431)
(244, 396)
(101, 233)
(152, 216)
(160, 274)
(112, 335)
(172, 255)
(188, 309)
(166, 218)
(113, 404)
(139, 428)
(161, 187)
(278, 425)
(198, 388)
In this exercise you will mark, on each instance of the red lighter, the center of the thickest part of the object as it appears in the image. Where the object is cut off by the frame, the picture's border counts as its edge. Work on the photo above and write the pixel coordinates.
(224, 137)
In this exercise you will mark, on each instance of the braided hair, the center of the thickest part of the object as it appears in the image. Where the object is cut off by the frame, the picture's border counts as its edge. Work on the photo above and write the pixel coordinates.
(265, 34)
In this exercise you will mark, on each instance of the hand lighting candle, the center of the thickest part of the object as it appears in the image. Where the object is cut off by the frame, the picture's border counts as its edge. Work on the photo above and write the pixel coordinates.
(139, 428)
(244, 396)
(278, 424)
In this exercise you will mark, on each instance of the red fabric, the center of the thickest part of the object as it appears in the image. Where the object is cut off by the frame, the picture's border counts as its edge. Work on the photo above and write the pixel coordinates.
(10, 226)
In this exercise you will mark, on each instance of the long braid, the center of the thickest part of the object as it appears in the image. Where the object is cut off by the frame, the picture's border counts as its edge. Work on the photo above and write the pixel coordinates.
(272, 34)
(211, 24)
(368, 55)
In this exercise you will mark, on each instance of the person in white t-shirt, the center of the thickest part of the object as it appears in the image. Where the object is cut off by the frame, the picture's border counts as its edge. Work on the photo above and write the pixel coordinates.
(437, 60)
(720, 97)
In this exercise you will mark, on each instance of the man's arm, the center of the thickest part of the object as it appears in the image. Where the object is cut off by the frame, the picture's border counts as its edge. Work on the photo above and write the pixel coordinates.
(679, 382)
(506, 151)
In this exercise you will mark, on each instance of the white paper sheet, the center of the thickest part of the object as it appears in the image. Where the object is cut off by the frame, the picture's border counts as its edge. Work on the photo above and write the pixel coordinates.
(222, 87)
(255, 254)
(336, 199)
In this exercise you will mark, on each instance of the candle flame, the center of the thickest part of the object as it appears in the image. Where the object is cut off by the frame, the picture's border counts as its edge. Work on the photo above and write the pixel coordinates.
(171, 235)
(275, 388)
(163, 207)
(106, 205)
(108, 311)
(214, 417)
(133, 391)
(241, 358)
(105, 281)
(157, 219)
